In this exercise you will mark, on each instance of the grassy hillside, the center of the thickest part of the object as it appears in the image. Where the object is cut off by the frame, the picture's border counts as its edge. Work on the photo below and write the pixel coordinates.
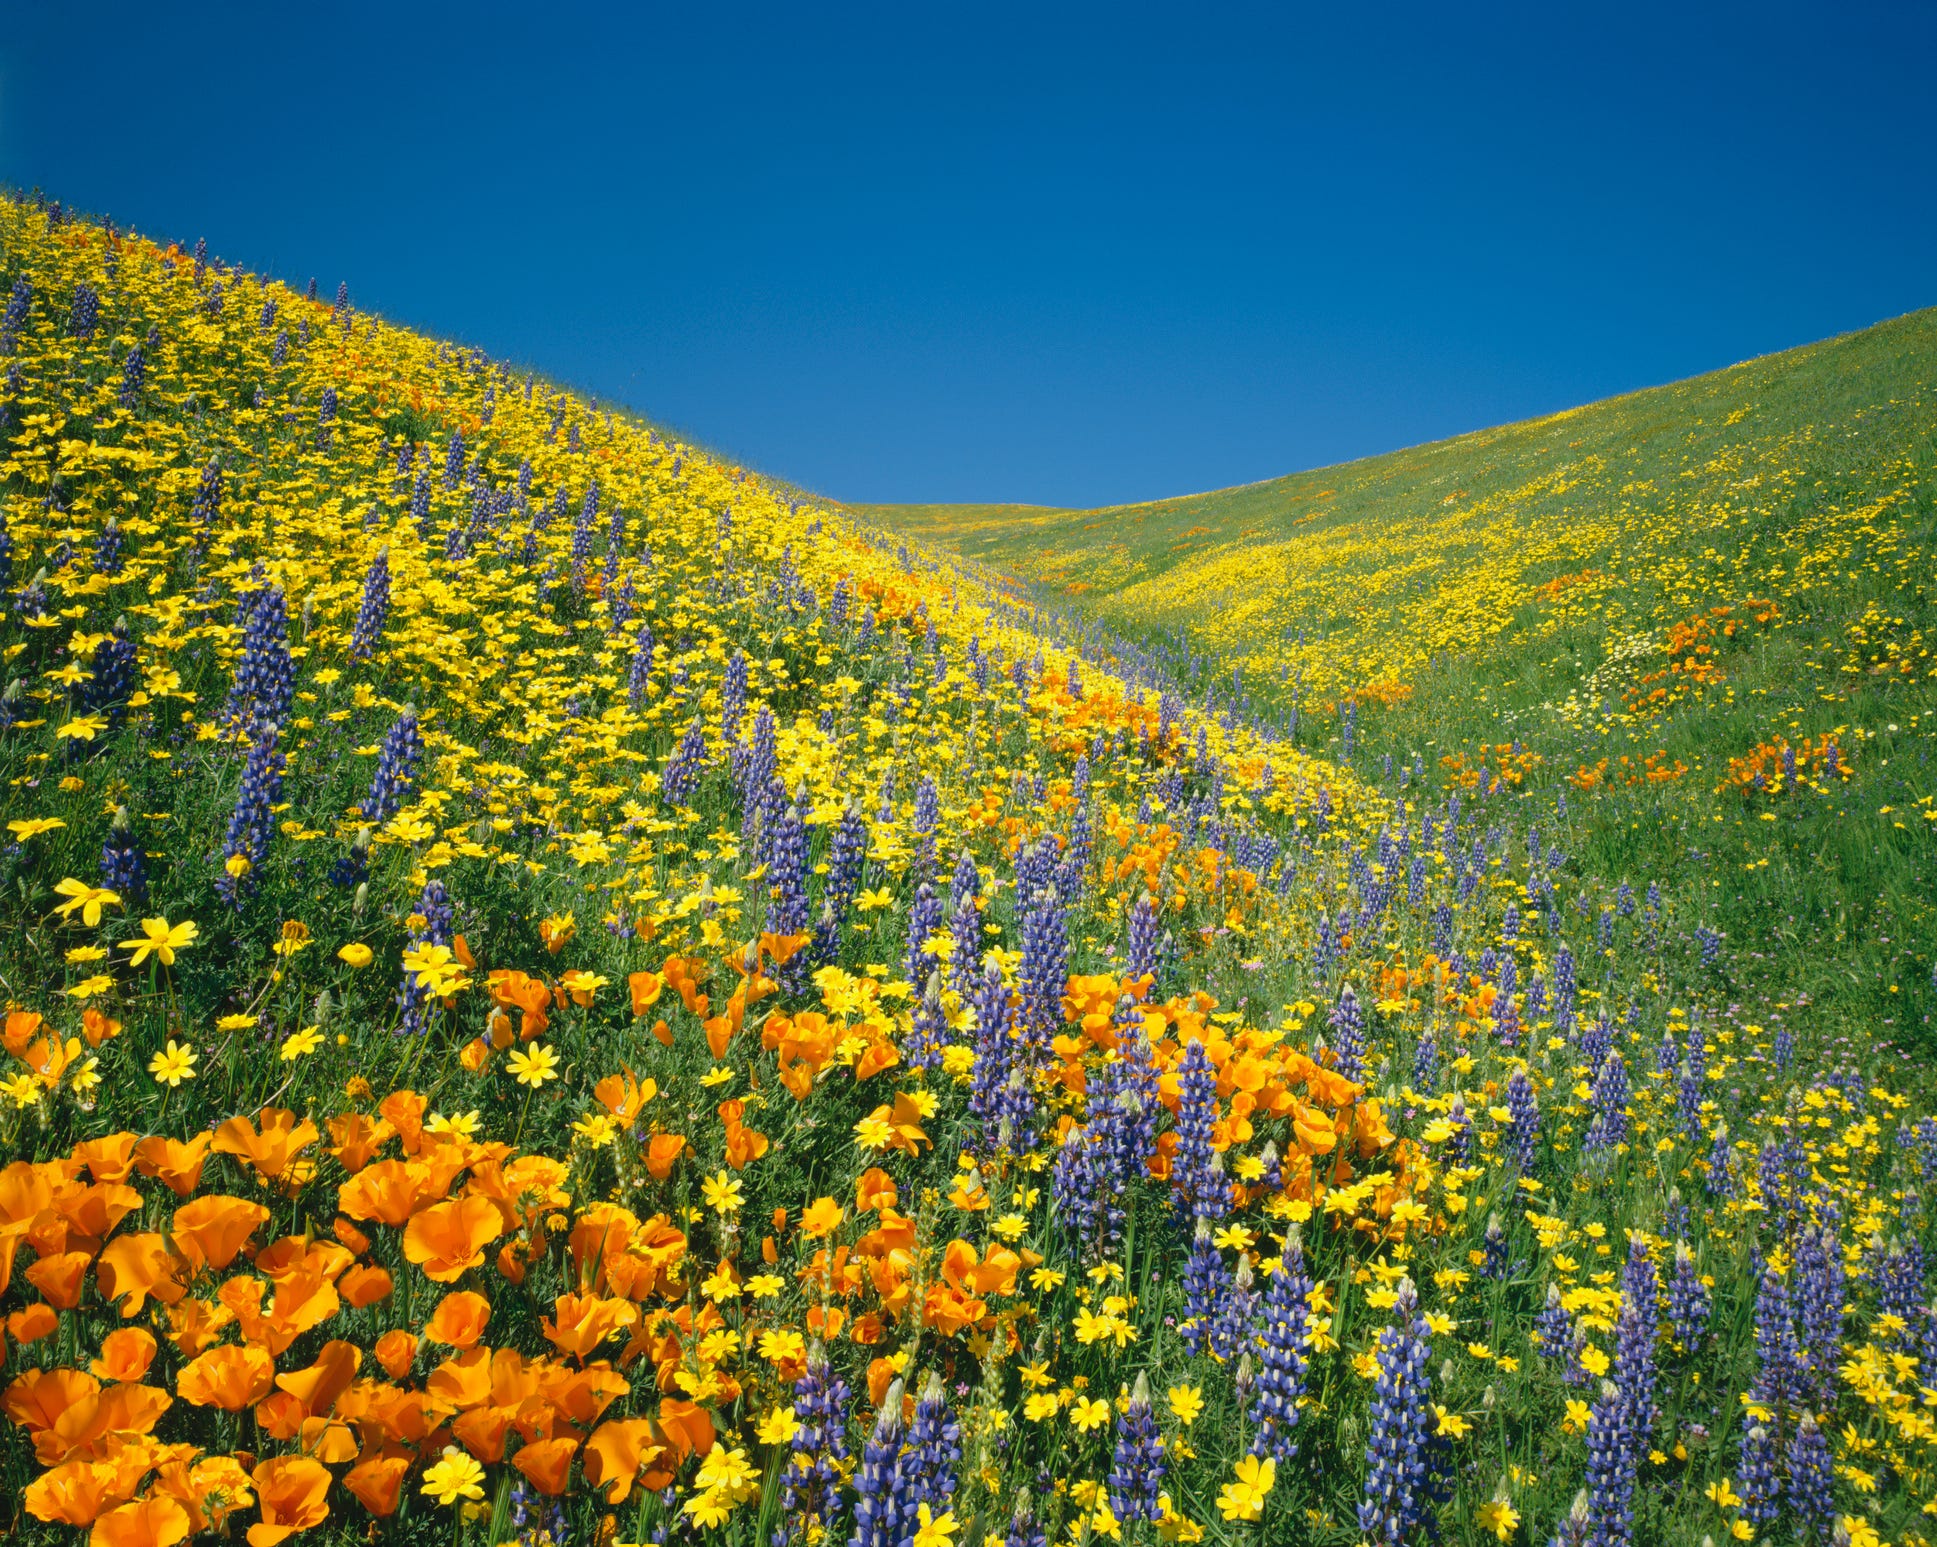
(1644, 607)
(559, 992)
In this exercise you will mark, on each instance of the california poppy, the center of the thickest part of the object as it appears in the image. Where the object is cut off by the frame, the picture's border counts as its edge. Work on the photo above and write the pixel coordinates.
(156, 1521)
(459, 1319)
(125, 1354)
(291, 1492)
(212, 1231)
(227, 1377)
(396, 1351)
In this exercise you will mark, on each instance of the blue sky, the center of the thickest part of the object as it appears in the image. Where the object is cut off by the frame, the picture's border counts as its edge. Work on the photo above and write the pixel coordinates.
(1066, 256)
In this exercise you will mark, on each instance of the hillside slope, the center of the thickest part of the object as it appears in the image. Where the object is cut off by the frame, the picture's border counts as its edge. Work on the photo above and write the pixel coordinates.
(1664, 607)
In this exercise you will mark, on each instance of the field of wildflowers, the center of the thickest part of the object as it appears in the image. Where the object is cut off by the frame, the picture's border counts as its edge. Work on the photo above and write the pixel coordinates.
(558, 991)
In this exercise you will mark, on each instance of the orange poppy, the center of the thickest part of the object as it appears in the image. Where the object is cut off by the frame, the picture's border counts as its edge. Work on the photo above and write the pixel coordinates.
(390, 1191)
(126, 1354)
(291, 1492)
(396, 1351)
(156, 1521)
(175, 1164)
(662, 1151)
(108, 1159)
(134, 1268)
(228, 1377)
(615, 1454)
(272, 1150)
(365, 1285)
(404, 1110)
(76, 1493)
(210, 1489)
(318, 1387)
(459, 1320)
(377, 1481)
(585, 1321)
(211, 1232)
(32, 1324)
(547, 1463)
(646, 988)
(59, 1278)
(355, 1139)
(875, 1189)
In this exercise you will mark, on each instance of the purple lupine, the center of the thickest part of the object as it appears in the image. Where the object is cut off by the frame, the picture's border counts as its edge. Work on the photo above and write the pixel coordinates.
(15, 316)
(1523, 1121)
(812, 1482)
(927, 818)
(1777, 1378)
(733, 697)
(1347, 1021)
(1203, 1280)
(989, 1076)
(680, 777)
(325, 418)
(1282, 1366)
(755, 766)
(1506, 1010)
(1812, 1472)
(1144, 943)
(1493, 1250)
(246, 845)
(1197, 1177)
(395, 781)
(1819, 1310)
(265, 676)
(1900, 1285)
(1620, 1424)
(134, 375)
(1137, 1464)
(108, 559)
(112, 674)
(124, 869)
(1719, 1173)
(1398, 1479)
(1610, 1125)
(1694, 1071)
(966, 883)
(206, 508)
(847, 854)
(641, 674)
(934, 1452)
(1025, 1528)
(453, 458)
(420, 503)
(84, 312)
(1755, 1475)
(1689, 1302)
(1459, 1144)
(374, 609)
(924, 921)
(1044, 973)
(1233, 1317)
(1425, 1061)
(1563, 991)
(965, 936)
(885, 1512)
(787, 912)
(927, 1028)
(1553, 1328)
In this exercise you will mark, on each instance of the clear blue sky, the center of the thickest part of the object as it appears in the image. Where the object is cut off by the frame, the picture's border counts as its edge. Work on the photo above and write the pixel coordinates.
(972, 252)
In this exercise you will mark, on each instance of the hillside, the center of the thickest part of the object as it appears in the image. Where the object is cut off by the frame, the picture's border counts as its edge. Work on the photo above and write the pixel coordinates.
(558, 991)
(1648, 606)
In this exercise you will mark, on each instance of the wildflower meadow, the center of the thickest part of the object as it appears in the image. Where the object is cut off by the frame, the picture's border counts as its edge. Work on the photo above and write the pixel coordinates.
(561, 991)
